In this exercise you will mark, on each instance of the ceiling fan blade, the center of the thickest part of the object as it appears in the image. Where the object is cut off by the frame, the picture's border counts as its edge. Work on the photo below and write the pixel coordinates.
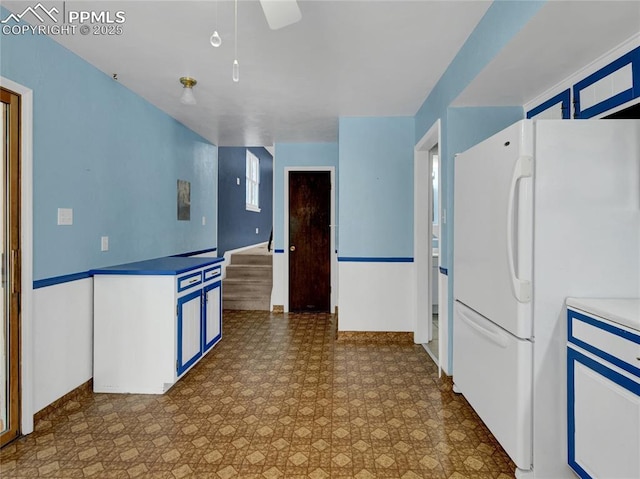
(280, 13)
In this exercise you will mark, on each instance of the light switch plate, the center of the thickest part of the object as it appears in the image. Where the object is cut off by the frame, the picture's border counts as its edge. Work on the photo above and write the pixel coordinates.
(257, 230)
(204, 221)
(104, 243)
(65, 216)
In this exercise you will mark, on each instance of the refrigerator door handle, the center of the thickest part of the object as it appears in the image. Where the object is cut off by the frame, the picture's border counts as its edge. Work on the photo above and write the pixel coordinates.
(497, 337)
(521, 288)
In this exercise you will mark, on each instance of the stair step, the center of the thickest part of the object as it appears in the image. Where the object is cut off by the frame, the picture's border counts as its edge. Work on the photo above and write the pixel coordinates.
(248, 282)
(246, 304)
(256, 259)
(249, 271)
(246, 287)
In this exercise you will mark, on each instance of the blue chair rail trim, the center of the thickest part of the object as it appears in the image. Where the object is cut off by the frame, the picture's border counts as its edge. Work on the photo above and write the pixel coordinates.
(633, 58)
(574, 356)
(67, 278)
(598, 352)
(563, 97)
(193, 253)
(278, 251)
(358, 259)
(444, 271)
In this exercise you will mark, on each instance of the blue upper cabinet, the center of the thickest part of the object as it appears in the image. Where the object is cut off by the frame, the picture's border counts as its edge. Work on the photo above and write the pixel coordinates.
(555, 108)
(611, 86)
(606, 89)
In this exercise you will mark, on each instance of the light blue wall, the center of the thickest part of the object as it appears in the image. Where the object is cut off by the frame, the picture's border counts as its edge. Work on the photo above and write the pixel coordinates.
(502, 21)
(469, 126)
(296, 154)
(111, 156)
(376, 187)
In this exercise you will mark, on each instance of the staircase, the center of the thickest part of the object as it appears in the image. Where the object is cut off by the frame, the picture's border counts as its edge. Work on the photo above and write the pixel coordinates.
(248, 281)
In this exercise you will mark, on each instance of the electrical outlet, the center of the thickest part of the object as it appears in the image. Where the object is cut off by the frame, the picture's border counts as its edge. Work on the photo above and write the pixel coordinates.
(238, 181)
(104, 243)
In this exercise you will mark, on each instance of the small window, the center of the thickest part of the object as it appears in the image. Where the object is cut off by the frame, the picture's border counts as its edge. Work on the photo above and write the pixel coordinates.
(253, 182)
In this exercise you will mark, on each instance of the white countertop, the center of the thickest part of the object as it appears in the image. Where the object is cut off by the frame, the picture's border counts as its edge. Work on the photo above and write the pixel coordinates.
(624, 311)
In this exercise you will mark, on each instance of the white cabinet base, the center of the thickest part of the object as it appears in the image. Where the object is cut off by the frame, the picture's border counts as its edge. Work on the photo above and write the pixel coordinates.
(151, 327)
(603, 396)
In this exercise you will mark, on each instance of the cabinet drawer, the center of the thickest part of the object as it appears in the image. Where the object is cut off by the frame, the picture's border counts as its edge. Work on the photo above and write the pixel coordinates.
(189, 280)
(211, 273)
(616, 345)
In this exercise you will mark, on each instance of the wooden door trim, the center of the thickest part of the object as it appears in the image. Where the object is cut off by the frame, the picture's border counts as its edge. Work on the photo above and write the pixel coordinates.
(26, 200)
(333, 232)
(12, 219)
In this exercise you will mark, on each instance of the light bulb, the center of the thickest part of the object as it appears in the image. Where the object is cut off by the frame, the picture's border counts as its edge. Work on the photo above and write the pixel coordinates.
(236, 71)
(215, 39)
(187, 97)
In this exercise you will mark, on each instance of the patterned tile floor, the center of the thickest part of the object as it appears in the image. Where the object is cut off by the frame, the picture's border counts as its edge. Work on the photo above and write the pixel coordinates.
(277, 397)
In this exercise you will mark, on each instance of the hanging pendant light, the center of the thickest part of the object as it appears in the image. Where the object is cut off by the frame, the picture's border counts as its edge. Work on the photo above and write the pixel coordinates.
(215, 39)
(236, 65)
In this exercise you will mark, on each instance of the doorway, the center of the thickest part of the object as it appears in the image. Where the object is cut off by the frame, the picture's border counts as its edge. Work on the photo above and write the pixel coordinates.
(10, 266)
(429, 331)
(309, 240)
(433, 344)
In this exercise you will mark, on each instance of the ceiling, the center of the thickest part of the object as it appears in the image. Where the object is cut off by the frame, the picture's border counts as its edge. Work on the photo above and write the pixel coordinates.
(344, 58)
(561, 39)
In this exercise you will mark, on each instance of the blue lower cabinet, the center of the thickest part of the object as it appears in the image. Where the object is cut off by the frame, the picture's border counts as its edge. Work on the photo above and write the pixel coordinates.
(189, 330)
(211, 315)
(603, 397)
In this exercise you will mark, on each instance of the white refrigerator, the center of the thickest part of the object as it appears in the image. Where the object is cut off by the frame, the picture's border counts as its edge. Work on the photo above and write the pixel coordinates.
(543, 210)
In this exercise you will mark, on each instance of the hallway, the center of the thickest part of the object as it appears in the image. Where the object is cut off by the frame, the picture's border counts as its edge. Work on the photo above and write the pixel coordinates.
(277, 397)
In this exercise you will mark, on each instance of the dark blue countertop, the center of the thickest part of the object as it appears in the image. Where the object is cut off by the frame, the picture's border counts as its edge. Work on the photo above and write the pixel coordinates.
(170, 265)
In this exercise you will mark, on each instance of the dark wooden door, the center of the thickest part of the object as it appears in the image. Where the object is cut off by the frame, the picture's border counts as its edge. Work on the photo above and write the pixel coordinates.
(309, 241)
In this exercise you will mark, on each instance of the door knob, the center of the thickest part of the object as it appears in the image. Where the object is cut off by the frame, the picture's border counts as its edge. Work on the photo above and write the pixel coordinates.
(292, 248)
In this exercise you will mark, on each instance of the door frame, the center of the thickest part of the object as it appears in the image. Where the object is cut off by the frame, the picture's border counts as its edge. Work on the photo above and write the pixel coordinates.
(423, 231)
(332, 233)
(26, 245)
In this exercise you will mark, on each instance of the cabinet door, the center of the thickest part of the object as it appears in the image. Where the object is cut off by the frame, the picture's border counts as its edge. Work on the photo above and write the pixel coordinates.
(604, 420)
(212, 315)
(189, 330)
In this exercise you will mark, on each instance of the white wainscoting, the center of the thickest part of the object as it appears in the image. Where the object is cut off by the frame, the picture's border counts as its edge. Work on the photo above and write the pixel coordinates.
(62, 339)
(376, 296)
(443, 323)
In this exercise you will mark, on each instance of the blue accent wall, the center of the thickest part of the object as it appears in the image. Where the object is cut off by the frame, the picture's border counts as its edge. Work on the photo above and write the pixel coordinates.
(376, 187)
(111, 156)
(303, 155)
(236, 225)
